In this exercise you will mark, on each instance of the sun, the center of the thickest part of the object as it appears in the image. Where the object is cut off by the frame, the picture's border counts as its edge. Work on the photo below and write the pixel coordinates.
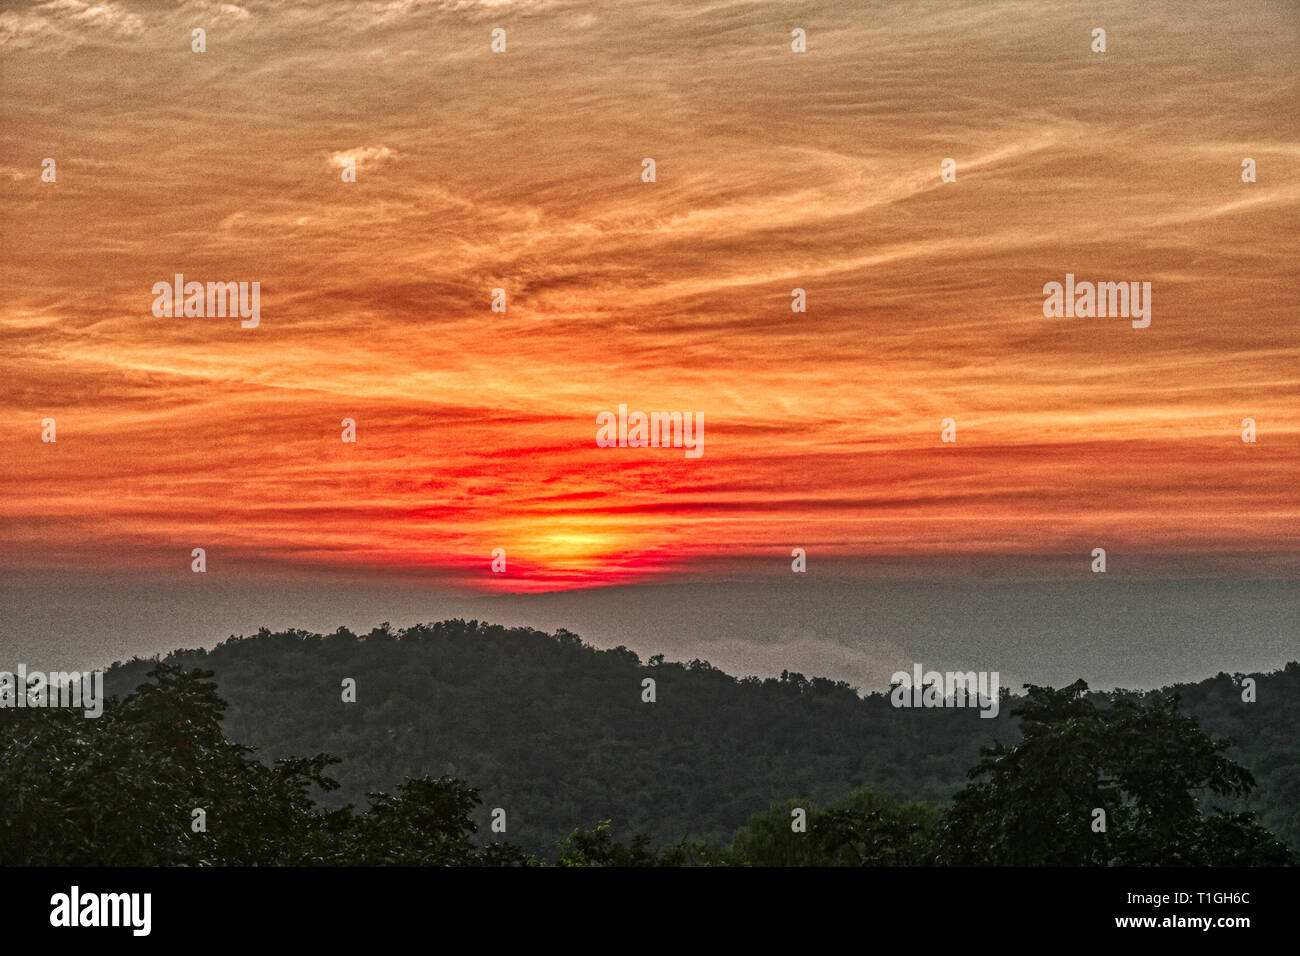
(571, 548)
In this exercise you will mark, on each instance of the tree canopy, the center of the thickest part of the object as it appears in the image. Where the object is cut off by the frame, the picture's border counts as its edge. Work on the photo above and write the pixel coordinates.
(158, 779)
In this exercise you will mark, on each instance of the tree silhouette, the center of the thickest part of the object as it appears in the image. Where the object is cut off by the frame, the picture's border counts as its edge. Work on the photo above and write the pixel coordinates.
(1146, 766)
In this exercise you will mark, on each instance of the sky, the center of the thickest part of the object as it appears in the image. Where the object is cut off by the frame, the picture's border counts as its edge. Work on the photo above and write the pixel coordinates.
(523, 171)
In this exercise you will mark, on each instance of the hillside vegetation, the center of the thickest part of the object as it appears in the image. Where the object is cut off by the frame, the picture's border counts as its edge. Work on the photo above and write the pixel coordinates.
(556, 733)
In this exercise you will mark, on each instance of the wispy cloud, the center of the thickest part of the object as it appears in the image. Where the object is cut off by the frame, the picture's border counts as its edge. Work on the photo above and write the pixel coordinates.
(522, 171)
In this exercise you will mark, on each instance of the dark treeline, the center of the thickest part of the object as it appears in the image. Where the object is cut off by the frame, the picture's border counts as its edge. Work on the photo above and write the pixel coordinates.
(458, 718)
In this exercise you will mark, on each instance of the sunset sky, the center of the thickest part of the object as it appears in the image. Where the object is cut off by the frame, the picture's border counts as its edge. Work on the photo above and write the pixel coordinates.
(522, 170)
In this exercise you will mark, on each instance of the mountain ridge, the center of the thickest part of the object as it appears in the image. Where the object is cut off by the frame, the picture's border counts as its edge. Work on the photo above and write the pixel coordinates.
(557, 733)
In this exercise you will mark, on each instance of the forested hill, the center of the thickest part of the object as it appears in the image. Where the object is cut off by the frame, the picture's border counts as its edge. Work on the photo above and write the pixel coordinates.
(557, 733)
